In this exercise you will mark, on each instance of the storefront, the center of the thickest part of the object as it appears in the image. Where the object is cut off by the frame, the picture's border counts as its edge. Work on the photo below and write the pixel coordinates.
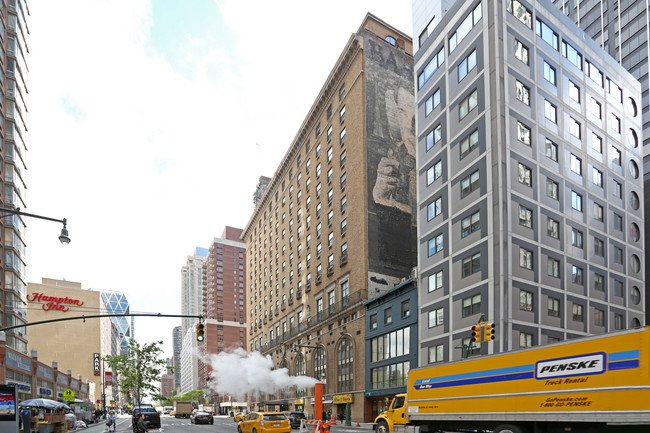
(340, 403)
(19, 373)
(299, 404)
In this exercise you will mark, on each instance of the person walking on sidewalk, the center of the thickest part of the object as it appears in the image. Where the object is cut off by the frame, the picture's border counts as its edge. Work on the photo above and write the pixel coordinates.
(110, 421)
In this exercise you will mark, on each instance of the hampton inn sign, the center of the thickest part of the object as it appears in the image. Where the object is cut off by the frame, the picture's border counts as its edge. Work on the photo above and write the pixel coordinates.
(53, 302)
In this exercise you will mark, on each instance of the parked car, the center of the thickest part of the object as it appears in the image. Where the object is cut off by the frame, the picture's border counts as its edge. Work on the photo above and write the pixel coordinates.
(201, 418)
(264, 422)
(151, 416)
(294, 418)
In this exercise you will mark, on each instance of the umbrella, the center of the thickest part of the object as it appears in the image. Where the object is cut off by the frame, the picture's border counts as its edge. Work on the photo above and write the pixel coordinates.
(43, 403)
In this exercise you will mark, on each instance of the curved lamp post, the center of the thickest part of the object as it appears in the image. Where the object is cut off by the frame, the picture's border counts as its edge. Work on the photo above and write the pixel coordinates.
(64, 238)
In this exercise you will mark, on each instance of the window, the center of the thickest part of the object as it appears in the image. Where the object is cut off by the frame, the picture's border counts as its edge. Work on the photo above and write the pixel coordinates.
(329, 133)
(618, 289)
(388, 316)
(330, 153)
(471, 264)
(596, 108)
(618, 189)
(596, 143)
(598, 212)
(345, 366)
(471, 305)
(436, 317)
(577, 313)
(344, 203)
(344, 178)
(576, 201)
(470, 224)
(553, 307)
(432, 102)
(318, 169)
(574, 127)
(436, 61)
(525, 258)
(406, 308)
(523, 133)
(525, 217)
(469, 184)
(466, 65)
(572, 55)
(550, 111)
(614, 90)
(467, 104)
(553, 228)
(549, 73)
(576, 164)
(618, 255)
(342, 92)
(468, 144)
(546, 33)
(576, 238)
(521, 51)
(616, 156)
(435, 281)
(553, 267)
(597, 177)
(434, 208)
(525, 340)
(594, 73)
(434, 136)
(344, 226)
(330, 239)
(616, 123)
(618, 222)
(434, 172)
(618, 322)
(522, 92)
(520, 12)
(436, 354)
(551, 150)
(599, 247)
(373, 321)
(525, 175)
(577, 275)
(342, 114)
(525, 300)
(599, 317)
(464, 28)
(330, 172)
(342, 137)
(435, 244)
(574, 91)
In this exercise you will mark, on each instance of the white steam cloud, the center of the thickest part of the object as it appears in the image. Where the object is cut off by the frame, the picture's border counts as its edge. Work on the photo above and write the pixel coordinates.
(240, 373)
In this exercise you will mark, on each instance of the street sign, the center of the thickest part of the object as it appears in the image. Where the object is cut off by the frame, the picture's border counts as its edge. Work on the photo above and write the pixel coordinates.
(68, 395)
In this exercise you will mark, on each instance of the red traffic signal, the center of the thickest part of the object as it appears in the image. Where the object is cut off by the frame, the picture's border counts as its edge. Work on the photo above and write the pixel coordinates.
(476, 333)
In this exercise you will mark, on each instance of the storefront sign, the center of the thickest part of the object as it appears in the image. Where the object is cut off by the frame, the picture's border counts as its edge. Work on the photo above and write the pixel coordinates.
(342, 398)
(108, 378)
(299, 401)
(53, 302)
(21, 386)
(96, 363)
(325, 401)
(20, 362)
(44, 372)
(44, 391)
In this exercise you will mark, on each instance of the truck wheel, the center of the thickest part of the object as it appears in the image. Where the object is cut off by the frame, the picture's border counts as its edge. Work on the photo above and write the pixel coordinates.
(509, 428)
(382, 427)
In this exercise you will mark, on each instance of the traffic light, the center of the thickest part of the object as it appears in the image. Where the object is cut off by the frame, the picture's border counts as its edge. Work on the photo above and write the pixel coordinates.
(200, 332)
(476, 333)
(489, 331)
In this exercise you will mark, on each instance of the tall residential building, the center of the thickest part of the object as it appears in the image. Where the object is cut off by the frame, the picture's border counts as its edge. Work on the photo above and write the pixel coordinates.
(260, 189)
(14, 15)
(177, 338)
(117, 303)
(337, 223)
(192, 287)
(530, 194)
(224, 297)
(604, 21)
(190, 362)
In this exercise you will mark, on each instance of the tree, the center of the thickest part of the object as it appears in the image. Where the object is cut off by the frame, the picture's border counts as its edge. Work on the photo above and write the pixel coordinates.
(140, 370)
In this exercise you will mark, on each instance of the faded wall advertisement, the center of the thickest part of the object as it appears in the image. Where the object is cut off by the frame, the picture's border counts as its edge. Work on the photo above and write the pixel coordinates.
(392, 236)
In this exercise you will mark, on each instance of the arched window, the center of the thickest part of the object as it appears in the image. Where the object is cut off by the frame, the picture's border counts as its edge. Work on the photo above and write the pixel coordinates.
(301, 371)
(320, 365)
(345, 358)
(391, 40)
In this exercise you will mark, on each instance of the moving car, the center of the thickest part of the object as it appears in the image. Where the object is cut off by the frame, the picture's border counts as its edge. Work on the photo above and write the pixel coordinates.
(151, 416)
(294, 418)
(239, 416)
(201, 418)
(264, 422)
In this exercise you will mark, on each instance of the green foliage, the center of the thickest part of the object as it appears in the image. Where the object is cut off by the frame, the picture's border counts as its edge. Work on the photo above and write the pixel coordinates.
(140, 371)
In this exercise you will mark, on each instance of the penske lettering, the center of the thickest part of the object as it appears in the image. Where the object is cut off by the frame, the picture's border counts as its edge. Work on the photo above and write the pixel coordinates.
(581, 365)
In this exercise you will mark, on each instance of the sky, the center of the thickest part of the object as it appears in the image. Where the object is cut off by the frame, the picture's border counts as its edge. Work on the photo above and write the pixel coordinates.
(150, 122)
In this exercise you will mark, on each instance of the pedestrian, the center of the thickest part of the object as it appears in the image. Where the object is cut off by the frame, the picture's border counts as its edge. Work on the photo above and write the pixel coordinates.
(324, 415)
(141, 425)
(110, 421)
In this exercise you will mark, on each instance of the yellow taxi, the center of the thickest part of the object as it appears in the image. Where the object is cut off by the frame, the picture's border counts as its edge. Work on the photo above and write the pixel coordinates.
(264, 422)
(239, 416)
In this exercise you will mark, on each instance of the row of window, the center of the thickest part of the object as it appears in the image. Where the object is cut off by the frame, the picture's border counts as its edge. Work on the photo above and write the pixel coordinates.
(553, 265)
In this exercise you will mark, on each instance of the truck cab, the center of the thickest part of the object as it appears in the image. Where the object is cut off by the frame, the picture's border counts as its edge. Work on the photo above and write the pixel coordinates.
(393, 416)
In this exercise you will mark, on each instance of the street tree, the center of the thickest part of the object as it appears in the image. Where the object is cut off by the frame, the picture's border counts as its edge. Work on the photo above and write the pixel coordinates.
(140, 370)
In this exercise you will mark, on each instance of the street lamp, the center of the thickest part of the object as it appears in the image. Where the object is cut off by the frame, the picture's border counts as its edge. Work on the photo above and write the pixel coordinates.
(64, 238)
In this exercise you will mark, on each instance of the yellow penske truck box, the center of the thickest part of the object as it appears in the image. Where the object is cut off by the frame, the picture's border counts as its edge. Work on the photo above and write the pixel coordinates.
(595, 384)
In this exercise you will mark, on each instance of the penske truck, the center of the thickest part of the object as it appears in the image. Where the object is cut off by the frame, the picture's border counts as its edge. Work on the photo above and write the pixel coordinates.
(593, 384)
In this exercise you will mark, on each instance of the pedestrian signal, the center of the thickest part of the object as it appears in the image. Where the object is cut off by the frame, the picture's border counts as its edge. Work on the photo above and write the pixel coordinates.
(200, 332)
(476, 333)
(489, 331)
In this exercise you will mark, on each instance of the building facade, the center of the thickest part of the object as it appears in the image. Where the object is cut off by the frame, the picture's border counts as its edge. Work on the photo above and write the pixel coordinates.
(260, 189)
(391, 345)
(192, 287)
(224, 299)
(14, 16)
(177, 338)
(337, 223)
(530, 194)
(117, 303)
(190, 362)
